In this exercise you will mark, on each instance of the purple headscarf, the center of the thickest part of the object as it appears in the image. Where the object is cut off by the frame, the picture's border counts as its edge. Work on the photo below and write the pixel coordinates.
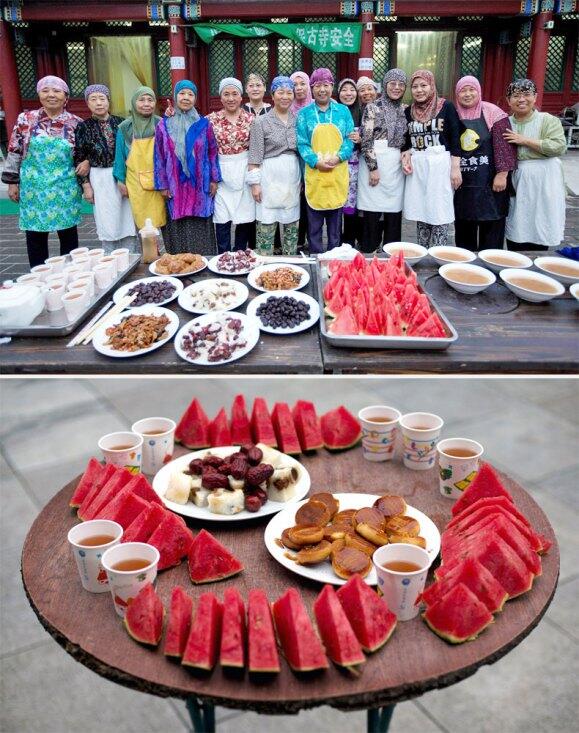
(321, 76)
(53, 81)
(97, 89)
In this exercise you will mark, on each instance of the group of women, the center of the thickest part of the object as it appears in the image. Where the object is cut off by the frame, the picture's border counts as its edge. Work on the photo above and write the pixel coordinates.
(306, 160)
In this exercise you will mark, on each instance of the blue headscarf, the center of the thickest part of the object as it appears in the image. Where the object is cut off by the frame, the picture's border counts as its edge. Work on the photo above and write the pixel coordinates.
(179, 125)
(282, 81)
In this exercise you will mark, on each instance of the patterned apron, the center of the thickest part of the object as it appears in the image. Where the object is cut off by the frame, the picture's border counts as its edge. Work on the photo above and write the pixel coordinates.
(326, 190)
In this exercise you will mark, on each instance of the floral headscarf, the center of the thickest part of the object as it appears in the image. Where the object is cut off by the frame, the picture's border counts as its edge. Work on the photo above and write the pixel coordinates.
(431, 106)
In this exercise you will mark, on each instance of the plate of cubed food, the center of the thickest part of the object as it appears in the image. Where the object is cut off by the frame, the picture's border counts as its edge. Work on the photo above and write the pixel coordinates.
(210, 296)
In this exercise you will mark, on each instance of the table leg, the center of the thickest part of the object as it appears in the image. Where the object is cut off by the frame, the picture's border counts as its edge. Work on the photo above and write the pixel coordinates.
(379, 719)
(202, 715)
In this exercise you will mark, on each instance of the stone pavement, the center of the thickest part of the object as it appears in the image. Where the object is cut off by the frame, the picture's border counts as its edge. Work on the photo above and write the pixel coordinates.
(49, 429)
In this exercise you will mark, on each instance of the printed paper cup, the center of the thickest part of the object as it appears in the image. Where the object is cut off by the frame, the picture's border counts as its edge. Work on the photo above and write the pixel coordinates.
(158, 435)
(123, 449)
(401, 589)
(379, 430)
(88, 558)
(420, 434)
(458, 463)
(126, 584)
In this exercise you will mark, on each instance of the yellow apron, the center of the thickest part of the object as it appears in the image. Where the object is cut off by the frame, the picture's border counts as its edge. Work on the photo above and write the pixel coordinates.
(327, 189)
(146, 203)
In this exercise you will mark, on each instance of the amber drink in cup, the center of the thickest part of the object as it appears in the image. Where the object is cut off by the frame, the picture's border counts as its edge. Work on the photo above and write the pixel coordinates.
(379, 430)
(89, 541)
(420, 434)
(129, 567)
(458, 463)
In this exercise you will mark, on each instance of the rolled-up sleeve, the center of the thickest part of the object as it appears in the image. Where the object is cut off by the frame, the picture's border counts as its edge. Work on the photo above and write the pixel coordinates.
(552, 140)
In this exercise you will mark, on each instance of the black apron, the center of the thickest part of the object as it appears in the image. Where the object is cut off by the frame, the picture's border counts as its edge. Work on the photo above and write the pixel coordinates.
(475, 200)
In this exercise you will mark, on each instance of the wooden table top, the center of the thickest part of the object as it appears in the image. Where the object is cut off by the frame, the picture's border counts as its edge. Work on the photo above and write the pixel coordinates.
(413, 661)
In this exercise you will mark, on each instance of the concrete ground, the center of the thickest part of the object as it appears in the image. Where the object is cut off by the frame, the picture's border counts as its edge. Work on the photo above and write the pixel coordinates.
(529, 428)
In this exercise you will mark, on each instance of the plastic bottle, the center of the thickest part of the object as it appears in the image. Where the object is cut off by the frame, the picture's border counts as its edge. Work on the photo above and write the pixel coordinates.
(150, 240)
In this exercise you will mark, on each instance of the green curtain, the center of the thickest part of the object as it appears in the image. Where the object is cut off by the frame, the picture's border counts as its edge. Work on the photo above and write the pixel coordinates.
(433, 50)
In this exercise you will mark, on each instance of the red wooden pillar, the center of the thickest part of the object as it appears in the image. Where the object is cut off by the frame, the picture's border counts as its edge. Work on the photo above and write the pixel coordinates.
(11, 98)
(366, 58)
(177, 44)
(537, 65)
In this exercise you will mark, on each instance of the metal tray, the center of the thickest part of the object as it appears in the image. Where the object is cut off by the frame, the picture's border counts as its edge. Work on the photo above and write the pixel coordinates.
(55, 323)
(384, 342)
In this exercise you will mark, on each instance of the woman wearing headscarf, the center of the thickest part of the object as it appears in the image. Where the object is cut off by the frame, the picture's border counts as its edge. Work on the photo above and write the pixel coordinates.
(381, 181)
(367, 90)
(302, 97)
(482, 202)
(95, 148)
(187, 173)
(274, 171)
(348, 95)
(536, 216)
(234, 203)
(255, 87)
(431, 160)
(40, 171)
(134, 160)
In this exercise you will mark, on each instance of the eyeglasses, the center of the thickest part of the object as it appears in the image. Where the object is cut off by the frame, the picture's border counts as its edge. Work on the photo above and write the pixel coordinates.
(520, 95)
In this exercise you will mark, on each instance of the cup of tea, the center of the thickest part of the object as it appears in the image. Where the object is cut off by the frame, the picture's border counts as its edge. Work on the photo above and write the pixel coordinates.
(43, 271)
(121, 255)
(401, 570)
(420, 434)
(103, 274)
(95, 255)
(129, 567)
(29, 278)
(75, 301)
(88, 542)
(379, 430)
(54, 296)
(57, 263)
(78, 252)
(158, 435)
(458, 463)
(111, 262)
(123, 449)
(85, 277)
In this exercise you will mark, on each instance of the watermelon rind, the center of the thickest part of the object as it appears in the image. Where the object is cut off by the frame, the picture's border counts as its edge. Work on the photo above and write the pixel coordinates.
(210, 561)
(262, 647)
(301, 646)
(373, 622)
(233, 630)
(203, 642)
(477, 579)
(458, 616)
(340, 429)
(179, 625)
(92, 473)
(337, 634)
(144, 617)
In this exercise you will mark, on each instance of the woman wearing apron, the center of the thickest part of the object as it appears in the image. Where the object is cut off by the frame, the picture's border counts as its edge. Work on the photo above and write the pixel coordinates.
(40, 173)
(348, 95)
(482, 202)
(233, 200)
(134, 160)
(431, 160)
(381, 181)
(95, 148)
(302, 97)
(536, 216)
(274, 171)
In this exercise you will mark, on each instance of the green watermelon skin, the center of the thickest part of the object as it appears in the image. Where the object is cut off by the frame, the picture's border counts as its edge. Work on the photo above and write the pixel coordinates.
(477, 579)
(179, 626)
(458, 616)
(203, 643)
(261, 425)
(193, 427)
(300, 643)
(124, 509)
(307, 426)
(210, 561)
(108, 472)
(337, 634)
(485, 484)
(262, 647)
(285, 431)
(240, 425)
(219, 432)
(340, 429)
(143, 526)
(173, 539)
(144, 617)
(108, 493)
(92, 472)
(368, 614)
(233, 631)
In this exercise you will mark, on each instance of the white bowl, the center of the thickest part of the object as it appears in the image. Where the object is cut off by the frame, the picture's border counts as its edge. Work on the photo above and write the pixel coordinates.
(420, 251)
(574, 290)
(520, 261)
(526, 293)
(544, 263)
(443, 254)
(446, 271)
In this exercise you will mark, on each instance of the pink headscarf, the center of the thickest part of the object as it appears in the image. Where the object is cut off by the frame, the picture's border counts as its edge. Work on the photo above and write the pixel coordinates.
(489, 111)
(53, 81)
(298, 104)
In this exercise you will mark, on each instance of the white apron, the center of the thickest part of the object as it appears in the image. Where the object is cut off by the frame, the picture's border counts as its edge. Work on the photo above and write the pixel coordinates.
(280, 190)
(388, 195)
(428, 195)
(112, 212)
(233, 200)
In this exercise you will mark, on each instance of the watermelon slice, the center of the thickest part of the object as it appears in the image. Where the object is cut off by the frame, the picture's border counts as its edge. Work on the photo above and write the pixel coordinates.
(373, 622)
(488, 513)
(240, 425)
(144, 616)
(301, 646)
(124, 509)
(285, 431)
(234, 632)
(262, 648)
(338, 636)
(340, 429)
(486, 483)
(203, 643)
(219, 433)
(458, 616)
(345, 323)
(141, 487)
(261, 425)
(492, 503)
(477, 578)
(210, 561)
(108, 472)
(307, 425)
(107, 494)
(143, 526)
(93, 470)
(173, 539)
(179, 626)
(193, 428)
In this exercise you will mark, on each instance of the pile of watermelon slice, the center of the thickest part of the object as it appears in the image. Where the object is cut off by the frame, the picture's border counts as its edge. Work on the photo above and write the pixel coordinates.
(378, 298)
(490, 554)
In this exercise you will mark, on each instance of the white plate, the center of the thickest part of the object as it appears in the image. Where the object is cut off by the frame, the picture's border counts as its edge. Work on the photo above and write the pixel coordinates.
(574, 290)
(250, 332)
(323, 572)
(185, 297)
(161, 481)
(124, 290)
(543, 263)
(100, 336)
(303, 326)
(153, 270)
(213, 265)
(254, 274)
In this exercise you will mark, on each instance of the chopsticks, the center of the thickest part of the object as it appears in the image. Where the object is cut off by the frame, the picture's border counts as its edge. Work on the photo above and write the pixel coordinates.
(75, 340)
(102, 317)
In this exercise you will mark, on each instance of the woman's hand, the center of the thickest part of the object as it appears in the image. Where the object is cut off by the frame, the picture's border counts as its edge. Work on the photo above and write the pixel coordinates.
(514, 137)
(256, 193)
(406, 159)
(82, 169)
(374, 178)
(324, 166)
(355, 137)
(500, 181)
(455, 174)
(88, 193)
(123, 189)
(165, 193)
(213, 189)
(14, 192)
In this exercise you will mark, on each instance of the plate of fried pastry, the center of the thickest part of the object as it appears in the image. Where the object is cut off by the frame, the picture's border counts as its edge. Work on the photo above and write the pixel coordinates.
(180, 265)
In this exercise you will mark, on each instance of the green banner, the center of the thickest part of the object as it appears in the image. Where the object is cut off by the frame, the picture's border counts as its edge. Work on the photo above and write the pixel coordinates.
(321, 37)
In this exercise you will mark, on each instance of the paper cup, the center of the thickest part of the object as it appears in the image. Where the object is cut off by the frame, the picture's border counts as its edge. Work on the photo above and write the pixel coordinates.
(457, 471)
(111, 262)
(75, 302)
(54, 297)
(122, 257)
(85, 277)
(57, 279)
(400, 589)
(379, 430)
(84, 263)
(126, 584)
(420, 434)
(43, 271)
(57, 263)
(123, 449)
(158, 435)
(29, 278)
(70, 270)
(88, 558)
(78, 252)
(103, 274)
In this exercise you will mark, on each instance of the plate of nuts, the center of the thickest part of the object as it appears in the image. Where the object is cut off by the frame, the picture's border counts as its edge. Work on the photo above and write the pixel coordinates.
(232, 483)
(284, 312)
(150, 291)
(278, 277)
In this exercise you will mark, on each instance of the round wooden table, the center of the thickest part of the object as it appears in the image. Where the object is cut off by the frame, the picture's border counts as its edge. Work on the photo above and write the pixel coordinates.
(414, 661)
